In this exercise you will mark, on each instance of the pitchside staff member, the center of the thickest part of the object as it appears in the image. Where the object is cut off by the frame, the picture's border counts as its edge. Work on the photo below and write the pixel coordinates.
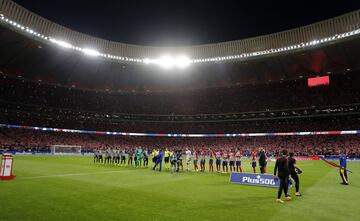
(262, 161)
(282, 170)
(343, 170)
(294, 171)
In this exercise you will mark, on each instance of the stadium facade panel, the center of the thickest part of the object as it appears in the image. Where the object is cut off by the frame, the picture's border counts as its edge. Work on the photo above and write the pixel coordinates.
(313, 35)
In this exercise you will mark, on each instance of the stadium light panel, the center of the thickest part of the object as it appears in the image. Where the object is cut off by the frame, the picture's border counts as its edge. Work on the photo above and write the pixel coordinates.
(165, 62)
(63, 44)
(91, 52)
(170, 62)
(182, 61)
(146, 60)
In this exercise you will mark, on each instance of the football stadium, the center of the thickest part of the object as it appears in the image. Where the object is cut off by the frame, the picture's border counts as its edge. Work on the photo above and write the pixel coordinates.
(264, 127)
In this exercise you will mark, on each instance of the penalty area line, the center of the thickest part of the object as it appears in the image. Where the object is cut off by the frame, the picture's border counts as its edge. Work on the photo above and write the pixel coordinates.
(70, 174)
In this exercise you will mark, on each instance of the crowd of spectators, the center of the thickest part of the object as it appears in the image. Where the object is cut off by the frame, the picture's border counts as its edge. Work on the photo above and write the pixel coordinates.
(71, 121)
(280, 107)
(327, 145)
(343, 89)
(288, 106)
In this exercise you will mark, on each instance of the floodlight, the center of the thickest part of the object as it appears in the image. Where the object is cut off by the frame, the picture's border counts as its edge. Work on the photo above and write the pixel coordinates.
(165, 61)
(90, 52)
(182, 61)
(63, 44)
(146, 60)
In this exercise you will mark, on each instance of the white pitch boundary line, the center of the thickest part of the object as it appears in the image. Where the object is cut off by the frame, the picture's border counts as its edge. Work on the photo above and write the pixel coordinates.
(71, 174)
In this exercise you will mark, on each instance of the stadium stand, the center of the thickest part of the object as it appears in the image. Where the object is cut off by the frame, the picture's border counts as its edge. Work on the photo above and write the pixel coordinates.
(252, 85)
(39, 141)
(259, 97)
(275, 107)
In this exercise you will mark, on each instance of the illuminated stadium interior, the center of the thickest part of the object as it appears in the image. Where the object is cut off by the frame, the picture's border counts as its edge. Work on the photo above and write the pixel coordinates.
(211, 89)
(66, 93)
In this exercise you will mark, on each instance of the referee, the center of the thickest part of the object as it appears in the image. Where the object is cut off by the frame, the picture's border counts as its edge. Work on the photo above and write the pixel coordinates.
(282, 171)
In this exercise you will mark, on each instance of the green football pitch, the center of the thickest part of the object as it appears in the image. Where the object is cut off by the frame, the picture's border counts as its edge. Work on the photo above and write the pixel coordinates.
(73, 188)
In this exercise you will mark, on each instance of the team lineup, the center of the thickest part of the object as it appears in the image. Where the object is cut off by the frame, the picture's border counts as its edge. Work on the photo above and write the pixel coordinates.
(286, 169)
(225, 161)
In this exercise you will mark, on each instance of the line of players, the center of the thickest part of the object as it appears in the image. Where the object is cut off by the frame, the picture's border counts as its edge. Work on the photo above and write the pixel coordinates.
(123, 157)
(225, 161)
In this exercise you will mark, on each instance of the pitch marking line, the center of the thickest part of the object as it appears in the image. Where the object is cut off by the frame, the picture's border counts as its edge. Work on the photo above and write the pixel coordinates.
(71, 174)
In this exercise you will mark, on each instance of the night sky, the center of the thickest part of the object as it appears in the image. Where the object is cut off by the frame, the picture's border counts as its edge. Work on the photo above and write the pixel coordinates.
(164, 23)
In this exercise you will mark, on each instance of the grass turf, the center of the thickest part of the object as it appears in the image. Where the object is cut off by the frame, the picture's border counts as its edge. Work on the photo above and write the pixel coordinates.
(73, 188)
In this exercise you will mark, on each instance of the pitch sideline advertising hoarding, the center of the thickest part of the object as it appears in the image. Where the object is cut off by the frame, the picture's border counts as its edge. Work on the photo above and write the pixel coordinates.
(254, 179)
(6, 167)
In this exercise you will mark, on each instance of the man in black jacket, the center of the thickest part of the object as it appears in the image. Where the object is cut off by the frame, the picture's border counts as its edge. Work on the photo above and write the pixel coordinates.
(282, 171)
(294, 170)
(262, 161)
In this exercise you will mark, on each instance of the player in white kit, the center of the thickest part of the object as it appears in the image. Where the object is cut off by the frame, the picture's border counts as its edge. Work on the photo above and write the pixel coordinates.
(188, 158)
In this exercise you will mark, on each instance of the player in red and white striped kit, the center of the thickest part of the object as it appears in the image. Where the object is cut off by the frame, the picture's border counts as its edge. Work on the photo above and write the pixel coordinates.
(218, 161)
(196, 157)
(253, 161)
(202, 161)
(211, 160)
(225, 157)
(232, 160)
(238, 156)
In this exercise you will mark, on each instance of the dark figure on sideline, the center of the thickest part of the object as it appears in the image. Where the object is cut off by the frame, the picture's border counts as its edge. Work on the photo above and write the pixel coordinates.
(294, 171)
(342, 170)
(262, 161)
(282, 171)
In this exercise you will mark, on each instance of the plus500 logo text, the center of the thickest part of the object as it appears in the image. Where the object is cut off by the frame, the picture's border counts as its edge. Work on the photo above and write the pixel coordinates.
(254, 179)
(258, 180)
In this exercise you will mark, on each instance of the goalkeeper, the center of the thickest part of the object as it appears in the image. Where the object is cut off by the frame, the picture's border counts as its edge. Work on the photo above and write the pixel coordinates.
(139, 155)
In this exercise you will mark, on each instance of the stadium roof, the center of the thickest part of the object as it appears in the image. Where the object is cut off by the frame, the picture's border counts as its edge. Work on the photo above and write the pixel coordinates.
(185, 22)
(317, 34)
(41, 50)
